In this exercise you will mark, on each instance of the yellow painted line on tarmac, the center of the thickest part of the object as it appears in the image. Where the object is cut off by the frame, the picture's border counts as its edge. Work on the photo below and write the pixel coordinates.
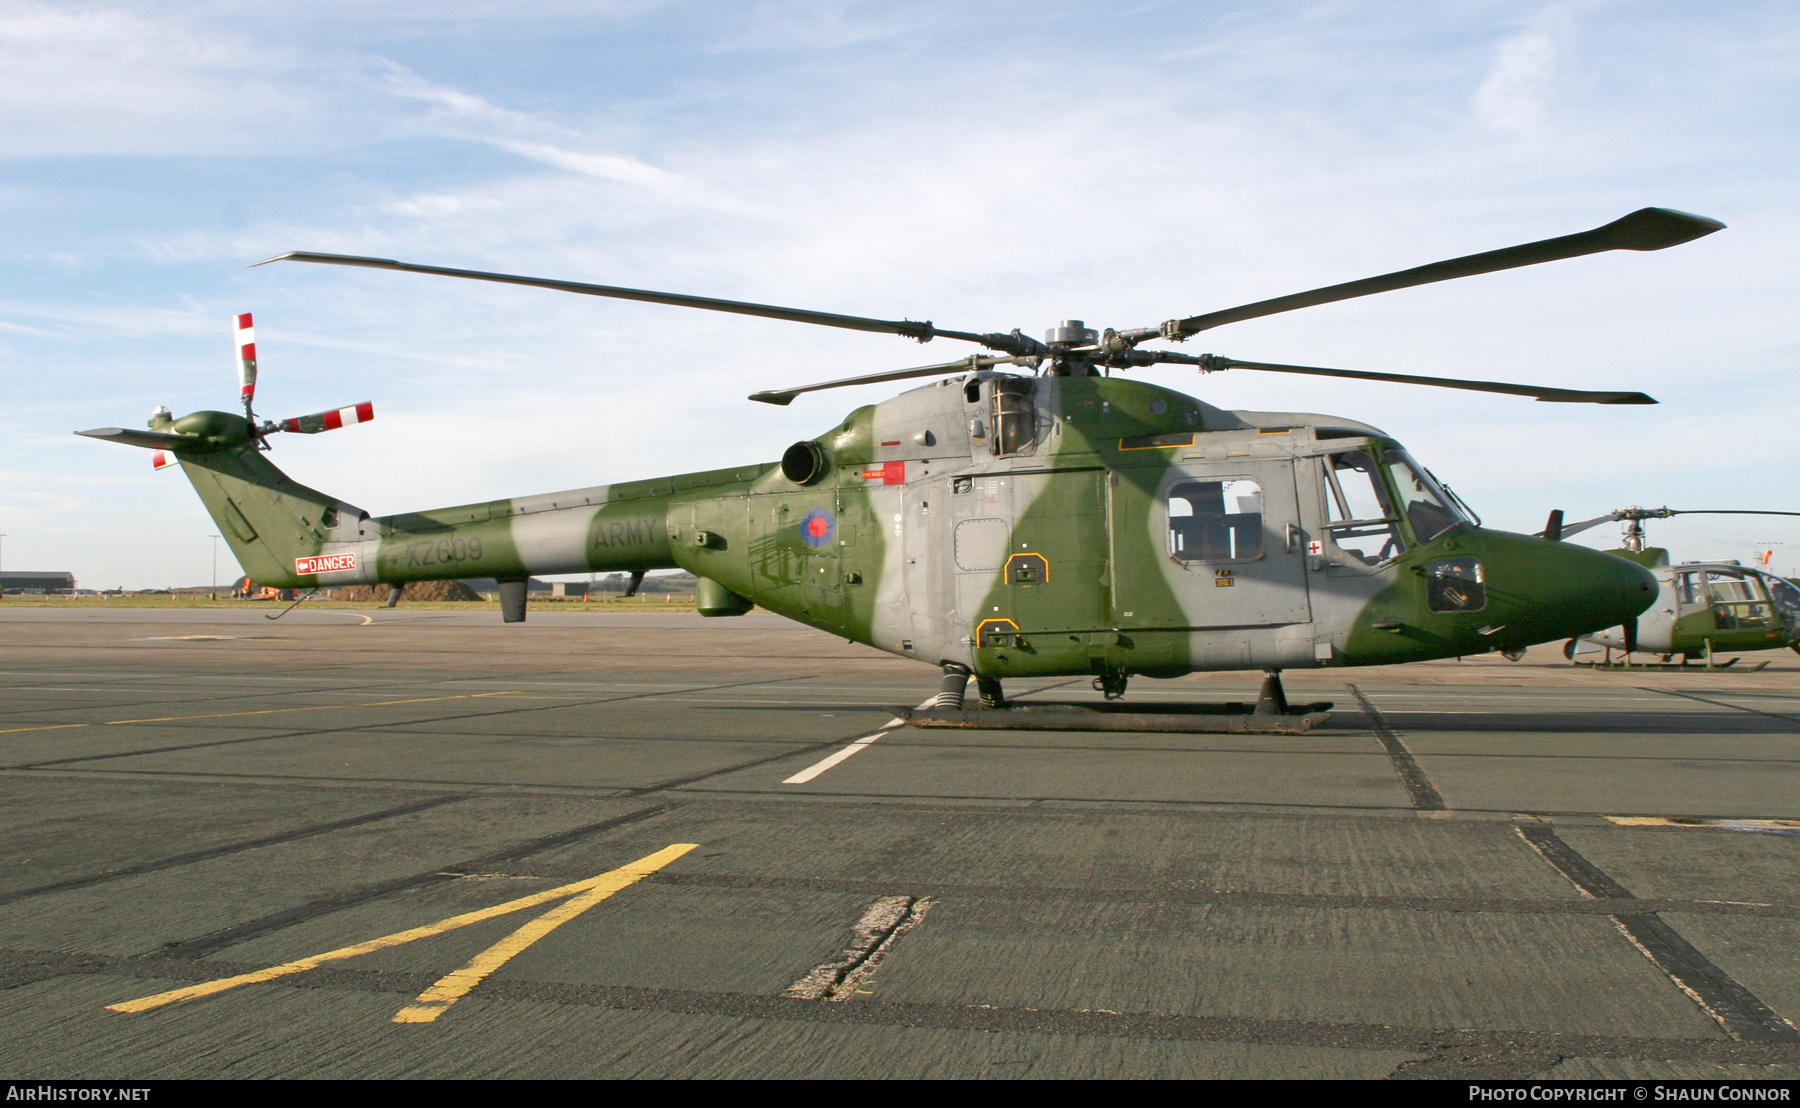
(610, 881)
(1724, 824)
(315, 708)
(260, 712)
(452, 987)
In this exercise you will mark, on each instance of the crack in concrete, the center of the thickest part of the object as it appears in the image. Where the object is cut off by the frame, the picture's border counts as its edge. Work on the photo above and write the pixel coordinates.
(872, 937)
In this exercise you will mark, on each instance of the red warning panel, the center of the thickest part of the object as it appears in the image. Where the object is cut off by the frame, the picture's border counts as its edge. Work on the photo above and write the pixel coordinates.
(323, 563)
(889, 473)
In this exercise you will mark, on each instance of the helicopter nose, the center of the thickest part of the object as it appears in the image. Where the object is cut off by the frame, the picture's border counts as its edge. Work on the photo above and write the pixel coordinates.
(1590, 591)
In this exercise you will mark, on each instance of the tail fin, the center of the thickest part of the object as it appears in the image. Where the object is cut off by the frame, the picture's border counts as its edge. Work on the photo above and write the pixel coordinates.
(270, 520)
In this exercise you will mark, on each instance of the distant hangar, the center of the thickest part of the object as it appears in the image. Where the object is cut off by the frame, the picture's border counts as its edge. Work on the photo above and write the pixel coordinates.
(31, 581)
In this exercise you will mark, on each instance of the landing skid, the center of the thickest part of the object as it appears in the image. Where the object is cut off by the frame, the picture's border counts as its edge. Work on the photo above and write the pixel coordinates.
(1676, 667)
(1271, 714)
(1230, 719)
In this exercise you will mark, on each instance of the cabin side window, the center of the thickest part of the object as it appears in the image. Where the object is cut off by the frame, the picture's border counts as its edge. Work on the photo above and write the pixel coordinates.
(1358, 518)
(1216, 521)
(1014, 415)
(1738, 605)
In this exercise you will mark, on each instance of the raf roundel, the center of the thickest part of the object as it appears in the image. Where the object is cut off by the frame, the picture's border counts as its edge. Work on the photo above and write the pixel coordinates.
(817, 527)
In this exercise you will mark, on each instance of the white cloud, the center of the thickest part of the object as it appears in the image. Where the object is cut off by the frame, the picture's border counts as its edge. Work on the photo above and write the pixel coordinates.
(471, 118)
(1516, 93)
(108, 81)
(817, 24)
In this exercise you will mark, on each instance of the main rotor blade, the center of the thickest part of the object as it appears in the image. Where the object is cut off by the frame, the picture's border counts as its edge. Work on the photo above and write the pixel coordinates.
(1665, 513)
(923, 331)
(1644, 229)
(1538, 392)
(973, 361)
(1576, 528)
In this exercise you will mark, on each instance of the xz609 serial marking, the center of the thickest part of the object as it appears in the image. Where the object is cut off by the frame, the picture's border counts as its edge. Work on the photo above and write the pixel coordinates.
(443, 552)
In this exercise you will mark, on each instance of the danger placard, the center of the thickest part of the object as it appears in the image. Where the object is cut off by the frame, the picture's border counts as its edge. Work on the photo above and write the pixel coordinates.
(323, 563)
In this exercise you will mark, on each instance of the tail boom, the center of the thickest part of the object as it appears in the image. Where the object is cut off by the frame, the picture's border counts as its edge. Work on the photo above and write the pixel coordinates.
(286, 535)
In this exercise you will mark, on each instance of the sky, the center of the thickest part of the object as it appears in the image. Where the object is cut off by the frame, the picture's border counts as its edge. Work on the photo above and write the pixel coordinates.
(984, 165)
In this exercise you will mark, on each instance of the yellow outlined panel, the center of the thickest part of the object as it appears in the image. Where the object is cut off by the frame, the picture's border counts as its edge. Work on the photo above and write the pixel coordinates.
(987, 629)
(1027, 569)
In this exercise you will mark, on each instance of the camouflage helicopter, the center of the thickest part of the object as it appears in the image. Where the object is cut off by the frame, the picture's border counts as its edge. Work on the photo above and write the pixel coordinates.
(1701, 607)
(1002, 525)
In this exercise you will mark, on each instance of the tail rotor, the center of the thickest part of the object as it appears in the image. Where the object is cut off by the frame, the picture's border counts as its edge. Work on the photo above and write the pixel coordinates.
(245, 341)
(167, 433)
(329, 421)
(303, 425)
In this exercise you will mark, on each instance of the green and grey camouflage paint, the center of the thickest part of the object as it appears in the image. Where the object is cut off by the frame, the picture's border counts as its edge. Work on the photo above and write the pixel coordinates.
(1013, 525)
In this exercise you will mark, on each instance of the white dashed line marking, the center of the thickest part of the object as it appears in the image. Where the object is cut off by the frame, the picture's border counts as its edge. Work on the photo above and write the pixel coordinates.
(856, 747)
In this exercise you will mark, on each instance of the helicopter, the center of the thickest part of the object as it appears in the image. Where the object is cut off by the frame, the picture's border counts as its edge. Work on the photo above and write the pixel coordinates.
(1701, 607)
(1000, 524)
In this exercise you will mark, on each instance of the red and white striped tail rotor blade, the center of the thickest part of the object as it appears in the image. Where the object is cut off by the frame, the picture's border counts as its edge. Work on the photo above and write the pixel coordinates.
(162, 459)
(246, 352)
(332, 420)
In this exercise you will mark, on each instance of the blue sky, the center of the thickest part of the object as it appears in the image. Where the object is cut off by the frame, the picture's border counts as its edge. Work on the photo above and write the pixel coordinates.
(982, 165)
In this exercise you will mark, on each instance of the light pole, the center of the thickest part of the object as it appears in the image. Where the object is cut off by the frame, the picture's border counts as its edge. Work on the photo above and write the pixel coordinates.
(214, 593)
(2, 564)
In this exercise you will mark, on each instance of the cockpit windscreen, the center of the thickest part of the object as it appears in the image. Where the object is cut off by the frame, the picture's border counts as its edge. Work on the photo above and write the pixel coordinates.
(1424, 503)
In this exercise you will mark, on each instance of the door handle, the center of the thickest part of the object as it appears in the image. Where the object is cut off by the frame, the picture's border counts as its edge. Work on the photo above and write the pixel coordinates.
(1293, 538)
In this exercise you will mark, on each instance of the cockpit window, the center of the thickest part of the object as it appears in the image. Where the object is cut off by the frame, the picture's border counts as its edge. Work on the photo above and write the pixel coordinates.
(1787, 602)
(1358, 518)
(1426, 506)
